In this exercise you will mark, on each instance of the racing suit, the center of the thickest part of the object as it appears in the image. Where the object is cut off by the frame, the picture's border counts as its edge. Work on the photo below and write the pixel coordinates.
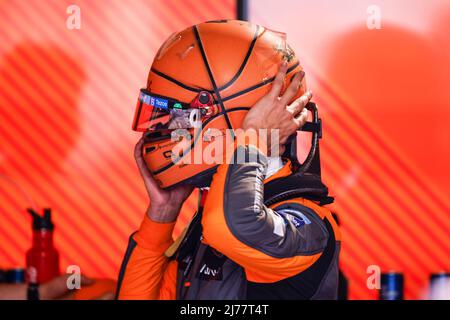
(239, 246)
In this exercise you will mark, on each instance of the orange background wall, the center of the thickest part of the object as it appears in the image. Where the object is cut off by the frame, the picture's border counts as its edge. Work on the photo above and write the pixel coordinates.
(67, 99)
(385, 100)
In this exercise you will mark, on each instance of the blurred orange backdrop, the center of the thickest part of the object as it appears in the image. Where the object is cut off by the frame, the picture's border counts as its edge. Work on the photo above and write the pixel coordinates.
(383, 94)
(67, 99)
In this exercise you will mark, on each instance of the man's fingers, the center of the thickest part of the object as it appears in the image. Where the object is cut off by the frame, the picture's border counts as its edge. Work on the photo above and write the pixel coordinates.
(138, 149)
(149, 181)
(277, 84)
(299, 104)
(67, 294)
(106, 296)
(85, 281)
(301, 118)
(138, 154)
(140, 159)
(55, 288)
(293, 88)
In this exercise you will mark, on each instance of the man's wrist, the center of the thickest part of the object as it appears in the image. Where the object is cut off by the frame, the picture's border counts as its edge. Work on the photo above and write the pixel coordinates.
(154, 235)
(163, 214)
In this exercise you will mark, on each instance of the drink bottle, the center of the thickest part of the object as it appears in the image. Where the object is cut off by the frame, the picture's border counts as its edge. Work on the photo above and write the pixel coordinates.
(440, 286)
(42, 259)
(391, 286)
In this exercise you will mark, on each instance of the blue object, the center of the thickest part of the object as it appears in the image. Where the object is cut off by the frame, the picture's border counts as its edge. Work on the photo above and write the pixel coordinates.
(391, 286)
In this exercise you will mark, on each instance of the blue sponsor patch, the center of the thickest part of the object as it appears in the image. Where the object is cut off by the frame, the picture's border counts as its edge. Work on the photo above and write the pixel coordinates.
(297, 218)
(161, 103)
(154, 101)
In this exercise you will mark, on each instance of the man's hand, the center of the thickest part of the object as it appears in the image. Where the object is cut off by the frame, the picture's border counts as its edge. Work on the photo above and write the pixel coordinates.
(272, 112)
(165, 205)
(57, 288)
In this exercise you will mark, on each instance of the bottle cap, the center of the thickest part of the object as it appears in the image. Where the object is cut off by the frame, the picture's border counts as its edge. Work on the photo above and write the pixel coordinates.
(42, 222)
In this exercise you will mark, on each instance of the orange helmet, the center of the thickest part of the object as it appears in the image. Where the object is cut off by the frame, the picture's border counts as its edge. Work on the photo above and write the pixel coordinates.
(209, 74)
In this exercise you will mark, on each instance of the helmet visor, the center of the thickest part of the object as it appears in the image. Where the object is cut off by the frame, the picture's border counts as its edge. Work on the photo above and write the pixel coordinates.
(156, 113)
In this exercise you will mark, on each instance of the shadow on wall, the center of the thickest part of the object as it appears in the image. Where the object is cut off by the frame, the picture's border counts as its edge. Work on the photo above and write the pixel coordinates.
(400, 80)
(40, 87)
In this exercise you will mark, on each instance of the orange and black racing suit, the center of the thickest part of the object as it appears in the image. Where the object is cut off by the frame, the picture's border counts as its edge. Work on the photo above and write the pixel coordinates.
(239, 247)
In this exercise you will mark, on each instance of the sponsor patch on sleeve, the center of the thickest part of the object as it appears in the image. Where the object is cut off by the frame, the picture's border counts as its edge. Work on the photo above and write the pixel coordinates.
(297, 218)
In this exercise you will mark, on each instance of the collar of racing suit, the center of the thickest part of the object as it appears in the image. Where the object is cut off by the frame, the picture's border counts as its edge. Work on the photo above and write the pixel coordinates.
(274, 164)
(277, 168)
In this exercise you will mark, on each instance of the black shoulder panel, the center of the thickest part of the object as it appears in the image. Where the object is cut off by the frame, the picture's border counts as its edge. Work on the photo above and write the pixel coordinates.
(306, 185)
(123, 267)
